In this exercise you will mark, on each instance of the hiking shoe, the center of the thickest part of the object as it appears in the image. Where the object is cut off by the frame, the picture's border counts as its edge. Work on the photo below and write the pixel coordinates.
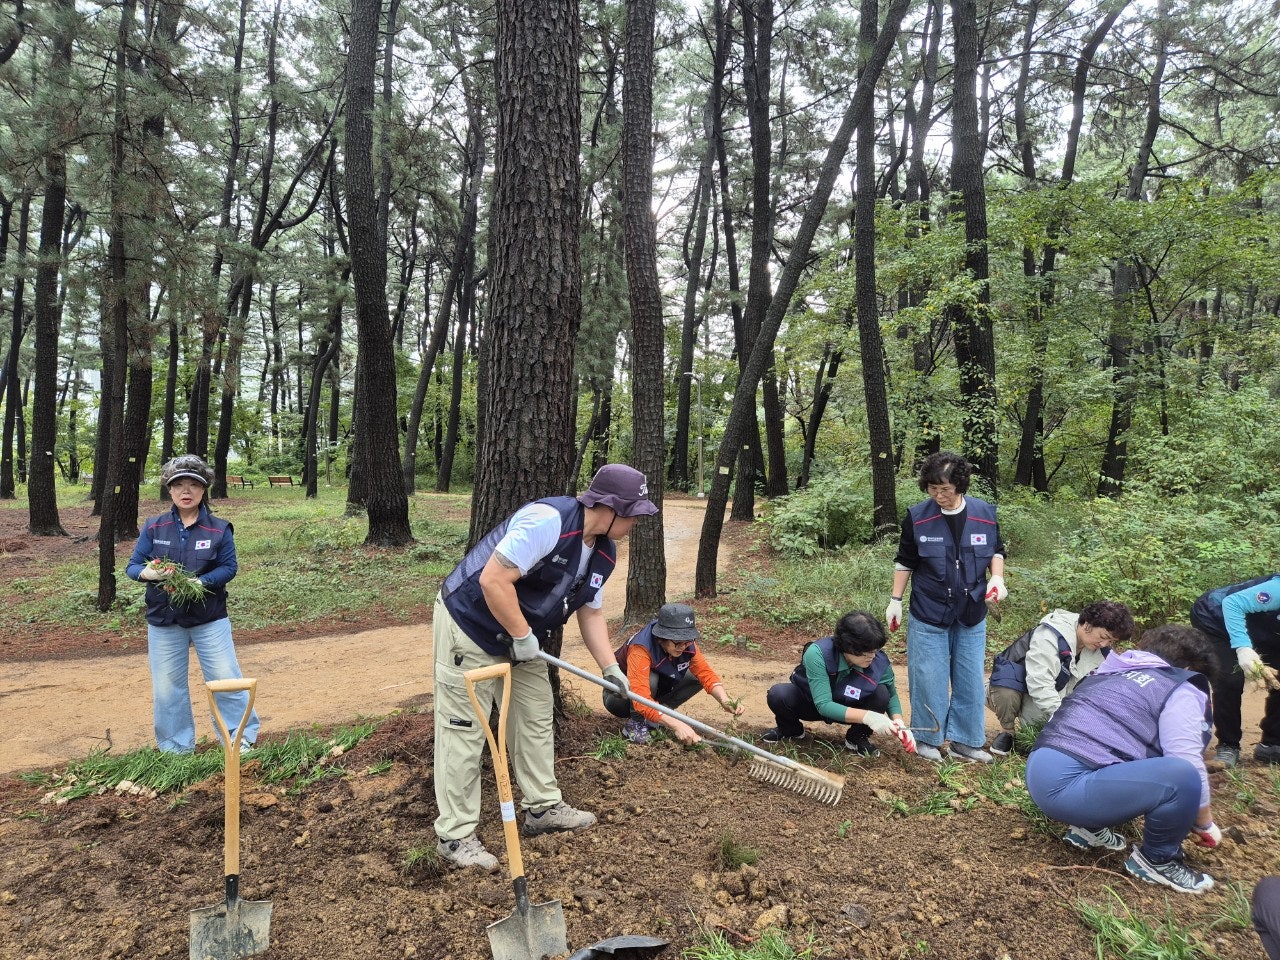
(1103, 838)
(1267, 753)
(1227, 756)
(773, 736)
(1002, 745)
(927, 751)
(636, 731)
(467, 852)
(860, 744)
(1175, 873)
(560, 817)
(970, 754)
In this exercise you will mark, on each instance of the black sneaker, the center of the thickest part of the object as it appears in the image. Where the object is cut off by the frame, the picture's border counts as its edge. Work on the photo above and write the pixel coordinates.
(1002, 745)
(1267, 753)
(1173, 873)
(773, 736)
(860, 744)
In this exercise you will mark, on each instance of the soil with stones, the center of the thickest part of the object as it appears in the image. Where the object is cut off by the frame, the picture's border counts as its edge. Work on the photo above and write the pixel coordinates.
(116, 875)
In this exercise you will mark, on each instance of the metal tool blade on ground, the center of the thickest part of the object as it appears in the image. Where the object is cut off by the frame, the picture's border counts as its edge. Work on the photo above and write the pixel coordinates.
(769, 767)
(234, 928)
(533, 930)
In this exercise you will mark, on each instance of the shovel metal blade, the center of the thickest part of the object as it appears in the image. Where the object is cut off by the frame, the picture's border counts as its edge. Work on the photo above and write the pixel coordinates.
(533, 931)
(239, 929)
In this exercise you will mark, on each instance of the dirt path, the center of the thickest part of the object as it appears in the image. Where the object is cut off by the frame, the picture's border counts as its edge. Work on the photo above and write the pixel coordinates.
(54, 711)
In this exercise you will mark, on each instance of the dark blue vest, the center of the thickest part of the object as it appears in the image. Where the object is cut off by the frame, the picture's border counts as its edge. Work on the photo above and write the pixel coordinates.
(548, 593)
(857, 688)
(950, 582)
(1206, 613)
(196, 548)
(1115, 717)
(670, 670)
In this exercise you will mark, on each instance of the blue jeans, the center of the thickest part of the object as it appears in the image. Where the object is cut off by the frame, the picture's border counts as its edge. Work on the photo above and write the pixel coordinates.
(945, 671)
(1164, 790)
(168, 650)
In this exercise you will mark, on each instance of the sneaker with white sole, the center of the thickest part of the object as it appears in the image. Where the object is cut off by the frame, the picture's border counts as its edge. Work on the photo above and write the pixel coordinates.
(927, 751)
(1103, 838)
(772, 735)
(467, 852)
(970, 754)
(1175, 873)
(636, 731)
(557, 818)
(860, 744)
(1002, 745)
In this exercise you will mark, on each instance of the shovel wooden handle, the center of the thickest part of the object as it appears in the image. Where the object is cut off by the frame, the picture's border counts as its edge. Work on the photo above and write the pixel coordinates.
(498, 747)
(231, 764)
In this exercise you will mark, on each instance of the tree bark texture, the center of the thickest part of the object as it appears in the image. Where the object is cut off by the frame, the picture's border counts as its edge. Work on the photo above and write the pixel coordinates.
(535, 295)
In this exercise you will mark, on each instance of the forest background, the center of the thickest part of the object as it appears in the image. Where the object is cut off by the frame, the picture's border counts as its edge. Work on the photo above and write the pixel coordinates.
(776, 250)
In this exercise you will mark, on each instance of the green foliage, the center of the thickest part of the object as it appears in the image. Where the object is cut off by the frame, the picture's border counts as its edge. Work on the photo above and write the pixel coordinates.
(1235, 912)
(1127, 935)
(303, 756)
(833, 511)
(424, 861)
(146, 767)
(772, 945)
(610, 747)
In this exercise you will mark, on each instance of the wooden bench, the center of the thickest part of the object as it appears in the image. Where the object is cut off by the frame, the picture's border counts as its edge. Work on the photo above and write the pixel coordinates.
(86, 479)
(240, 482)
(280, 481)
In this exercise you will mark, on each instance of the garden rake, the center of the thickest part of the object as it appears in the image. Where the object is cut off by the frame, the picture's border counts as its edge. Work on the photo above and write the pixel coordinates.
(769, 767)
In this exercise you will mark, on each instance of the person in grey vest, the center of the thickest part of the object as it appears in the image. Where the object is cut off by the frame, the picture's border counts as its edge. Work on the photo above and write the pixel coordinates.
(546, 562)
(1266, 915)
(1130, 742)
(1030, 677)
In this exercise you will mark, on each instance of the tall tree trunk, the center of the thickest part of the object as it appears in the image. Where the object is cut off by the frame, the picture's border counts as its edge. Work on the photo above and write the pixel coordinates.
(647, 565)
(535, 299)
(884, 494)
(743, 411)
(12, 391)
(375, 401)
(971, 325)
(41, 494)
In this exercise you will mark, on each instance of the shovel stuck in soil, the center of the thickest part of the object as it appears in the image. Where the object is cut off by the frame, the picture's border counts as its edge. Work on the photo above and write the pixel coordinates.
(769, 767)
(235, 927)
(534, 930)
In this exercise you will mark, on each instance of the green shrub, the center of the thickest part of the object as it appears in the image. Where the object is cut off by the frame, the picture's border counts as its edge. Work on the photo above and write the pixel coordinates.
(833, 511)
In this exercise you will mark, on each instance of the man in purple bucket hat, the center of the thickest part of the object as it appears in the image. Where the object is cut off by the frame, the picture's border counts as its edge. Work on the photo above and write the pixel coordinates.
(548, 560)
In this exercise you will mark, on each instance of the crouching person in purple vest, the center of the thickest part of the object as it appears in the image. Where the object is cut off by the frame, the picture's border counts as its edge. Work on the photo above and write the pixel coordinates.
(1130, 742)
(546, 561)
(1031, 676)
(664, 660)
(843, 678)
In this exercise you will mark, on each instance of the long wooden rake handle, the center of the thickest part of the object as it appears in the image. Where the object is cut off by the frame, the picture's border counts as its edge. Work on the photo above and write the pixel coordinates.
(231, 762)
(698, 725)
(498, 748)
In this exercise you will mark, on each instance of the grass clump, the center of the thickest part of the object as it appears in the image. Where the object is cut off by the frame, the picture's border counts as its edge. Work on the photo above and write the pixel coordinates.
(1122, 933)
(733, 854)
(772, 945)
(146, 768)
(423, 861)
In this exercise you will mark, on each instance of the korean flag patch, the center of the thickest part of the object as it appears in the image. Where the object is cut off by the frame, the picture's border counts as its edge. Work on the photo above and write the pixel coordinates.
(977, 539)
(852, 692)
(203, 544)
(597, 581)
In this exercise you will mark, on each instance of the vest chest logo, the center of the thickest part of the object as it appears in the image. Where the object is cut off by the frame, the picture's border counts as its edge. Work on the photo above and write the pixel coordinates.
(852, 692)
(978, 539)
(203, 544)
(931, 539)
(681, 666)
(1264, 597)
(597, 580)
(560, 560)
(1138, 677)
(163, 543)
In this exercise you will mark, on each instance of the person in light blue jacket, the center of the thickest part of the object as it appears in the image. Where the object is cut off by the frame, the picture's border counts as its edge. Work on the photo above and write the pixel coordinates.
(1243, 621)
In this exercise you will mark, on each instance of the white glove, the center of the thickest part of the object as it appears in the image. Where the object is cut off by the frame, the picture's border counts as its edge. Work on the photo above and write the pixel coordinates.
(904, 734)
(1209, 836)
(878, 722)
(1262, 676)
(893, 614)
(524, 648)
(613, 673)
(996, 590)
(150, 573)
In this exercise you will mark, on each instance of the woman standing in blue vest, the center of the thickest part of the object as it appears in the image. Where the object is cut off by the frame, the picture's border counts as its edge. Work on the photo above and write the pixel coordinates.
(205, 547)
(1129, 742)
(843, 678)
(949, 543)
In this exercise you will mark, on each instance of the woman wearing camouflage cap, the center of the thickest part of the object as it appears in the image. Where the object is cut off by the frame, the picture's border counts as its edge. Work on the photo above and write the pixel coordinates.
(188, 541)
